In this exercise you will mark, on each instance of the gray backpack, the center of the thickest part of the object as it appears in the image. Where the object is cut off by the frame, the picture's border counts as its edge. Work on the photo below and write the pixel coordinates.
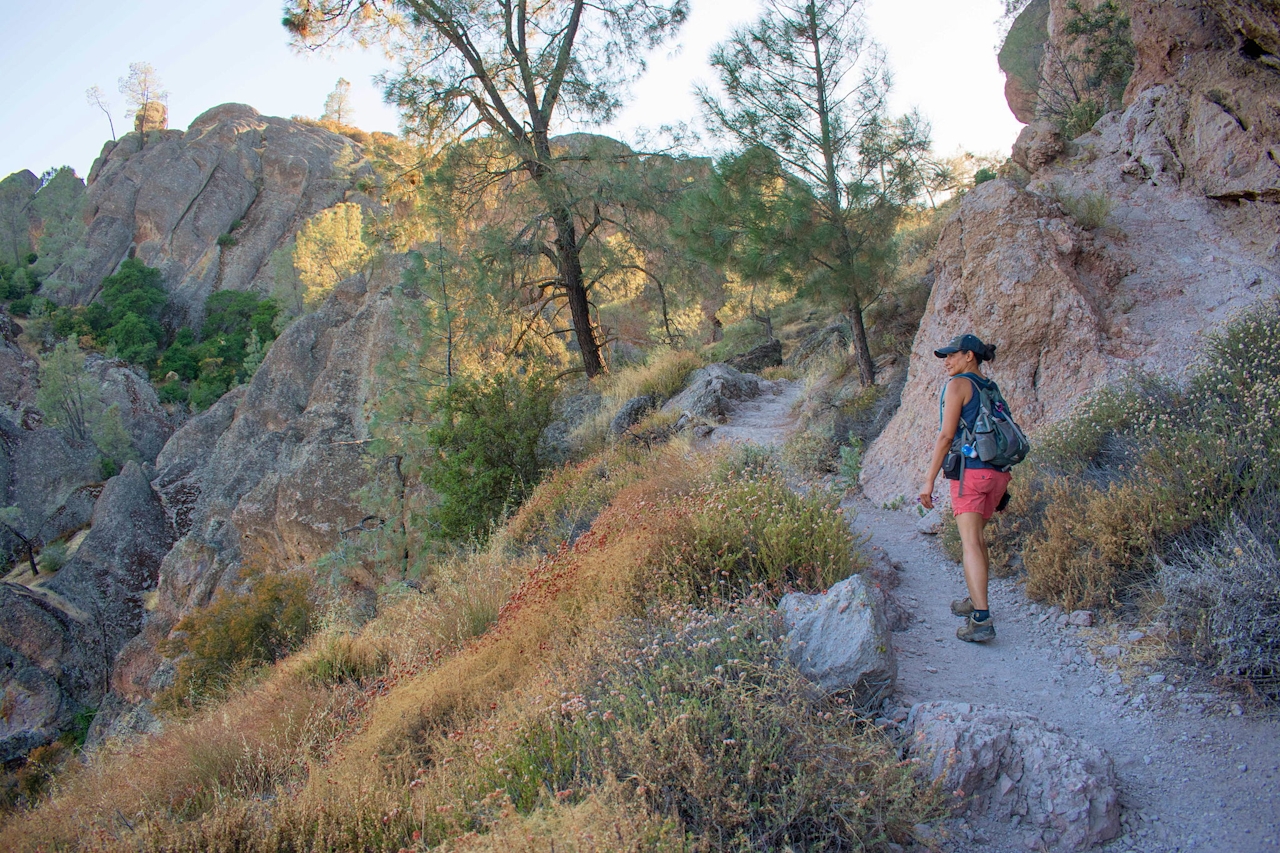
(996, 438)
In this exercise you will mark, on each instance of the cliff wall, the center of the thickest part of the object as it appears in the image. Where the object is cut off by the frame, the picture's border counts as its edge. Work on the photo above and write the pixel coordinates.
(1117, 249)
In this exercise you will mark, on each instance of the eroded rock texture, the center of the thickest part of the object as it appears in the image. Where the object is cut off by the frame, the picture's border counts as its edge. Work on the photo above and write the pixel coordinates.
(167, 203)
(61, 633)
(840, 639)
(1008, 763)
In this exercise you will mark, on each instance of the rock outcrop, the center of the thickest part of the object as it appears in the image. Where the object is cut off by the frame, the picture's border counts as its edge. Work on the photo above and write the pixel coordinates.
(840, 639)
(712, 391)
(169, 201)
(267, 476)
(632, 412)
(1007, 763)
(1120, 253)
(51, 477)
(60, 633)
(756, 359)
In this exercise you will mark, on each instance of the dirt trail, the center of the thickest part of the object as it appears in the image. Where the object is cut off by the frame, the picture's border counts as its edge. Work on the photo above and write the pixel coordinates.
(1194, 775)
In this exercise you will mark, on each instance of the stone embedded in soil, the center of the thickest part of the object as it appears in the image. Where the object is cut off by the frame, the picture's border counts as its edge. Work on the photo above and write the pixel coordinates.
(1010, 764)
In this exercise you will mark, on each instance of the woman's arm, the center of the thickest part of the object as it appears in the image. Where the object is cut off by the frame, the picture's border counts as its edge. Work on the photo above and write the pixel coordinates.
(953, 400)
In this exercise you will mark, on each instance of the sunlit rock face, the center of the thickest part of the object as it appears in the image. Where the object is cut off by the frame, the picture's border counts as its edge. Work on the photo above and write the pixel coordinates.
(249, 179)
(1125, 245)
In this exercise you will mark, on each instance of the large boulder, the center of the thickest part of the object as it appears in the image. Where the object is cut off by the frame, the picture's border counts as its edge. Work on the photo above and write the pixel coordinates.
(840, 639)
(756, 359)
(268, 476)
(169, 201)
(712, 392)
(60, 633)
(1008, 763)
(632, 412)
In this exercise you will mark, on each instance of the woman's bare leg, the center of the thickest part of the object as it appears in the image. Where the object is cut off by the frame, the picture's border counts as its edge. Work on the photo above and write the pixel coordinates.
(976, 558)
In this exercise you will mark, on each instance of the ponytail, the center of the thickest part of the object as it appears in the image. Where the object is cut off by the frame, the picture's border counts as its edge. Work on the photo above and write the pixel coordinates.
(989, 354)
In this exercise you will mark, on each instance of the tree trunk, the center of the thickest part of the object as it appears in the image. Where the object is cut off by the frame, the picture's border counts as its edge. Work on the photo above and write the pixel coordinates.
(576, 292)
(859, 348)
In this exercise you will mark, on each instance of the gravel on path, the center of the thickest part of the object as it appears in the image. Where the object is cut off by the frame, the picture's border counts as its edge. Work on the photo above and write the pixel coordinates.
(1196, 774)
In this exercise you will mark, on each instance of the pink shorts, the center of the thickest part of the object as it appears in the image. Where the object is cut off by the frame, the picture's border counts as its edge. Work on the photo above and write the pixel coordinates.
(983, 489)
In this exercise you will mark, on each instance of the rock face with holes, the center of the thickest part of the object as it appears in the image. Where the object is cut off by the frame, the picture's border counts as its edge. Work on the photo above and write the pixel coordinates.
(61, 632)
(1008, 763)
(840, 639)
(209, 205)
(1123, 247)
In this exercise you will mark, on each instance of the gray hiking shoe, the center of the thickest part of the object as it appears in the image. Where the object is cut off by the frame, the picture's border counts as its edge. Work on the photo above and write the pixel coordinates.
(962, 607)
(977, 632)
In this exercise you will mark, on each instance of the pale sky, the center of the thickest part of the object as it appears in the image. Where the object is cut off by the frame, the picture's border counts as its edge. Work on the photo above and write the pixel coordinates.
(942, 53)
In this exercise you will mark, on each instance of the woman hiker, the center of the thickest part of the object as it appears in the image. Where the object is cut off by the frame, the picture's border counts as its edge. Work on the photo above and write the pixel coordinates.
(976, 495)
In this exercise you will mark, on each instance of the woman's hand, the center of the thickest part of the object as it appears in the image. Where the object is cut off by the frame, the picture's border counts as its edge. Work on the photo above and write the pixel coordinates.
(926, 497)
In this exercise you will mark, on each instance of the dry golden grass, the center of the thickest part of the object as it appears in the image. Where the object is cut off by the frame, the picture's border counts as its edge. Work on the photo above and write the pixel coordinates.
(259, 741)
(389, 738)
(662, 375)
(610, 819)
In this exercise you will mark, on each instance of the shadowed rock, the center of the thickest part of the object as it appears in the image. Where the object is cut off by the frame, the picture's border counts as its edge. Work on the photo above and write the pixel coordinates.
(60, 634)
(756, 359)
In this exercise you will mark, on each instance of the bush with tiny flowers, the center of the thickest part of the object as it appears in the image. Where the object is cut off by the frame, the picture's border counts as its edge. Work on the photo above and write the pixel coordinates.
(1149, 468)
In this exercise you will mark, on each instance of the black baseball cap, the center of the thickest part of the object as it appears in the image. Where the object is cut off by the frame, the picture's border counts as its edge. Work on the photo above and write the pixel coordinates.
(962, 343)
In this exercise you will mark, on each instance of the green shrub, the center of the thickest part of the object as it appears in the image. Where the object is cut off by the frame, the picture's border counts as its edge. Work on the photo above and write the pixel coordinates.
(851, 462)
(227, 240)
(53, 556)
(172, 392)
(486, 435)
(204, 393)
(218, 644)
(1089, 210)
(983, 175)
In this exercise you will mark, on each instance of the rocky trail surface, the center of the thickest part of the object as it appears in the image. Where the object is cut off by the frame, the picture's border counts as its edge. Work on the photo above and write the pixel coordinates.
(1194, 770)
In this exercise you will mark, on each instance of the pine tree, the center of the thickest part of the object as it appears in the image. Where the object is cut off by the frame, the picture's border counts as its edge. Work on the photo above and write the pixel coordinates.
(337, 106)
(805, 82)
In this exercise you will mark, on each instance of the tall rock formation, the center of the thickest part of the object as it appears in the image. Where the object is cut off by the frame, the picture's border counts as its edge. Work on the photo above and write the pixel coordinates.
(266, 478)
(169, 201)
(1125, 245)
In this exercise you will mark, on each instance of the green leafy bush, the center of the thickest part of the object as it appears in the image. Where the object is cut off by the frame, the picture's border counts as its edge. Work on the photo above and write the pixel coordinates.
(486, 434)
